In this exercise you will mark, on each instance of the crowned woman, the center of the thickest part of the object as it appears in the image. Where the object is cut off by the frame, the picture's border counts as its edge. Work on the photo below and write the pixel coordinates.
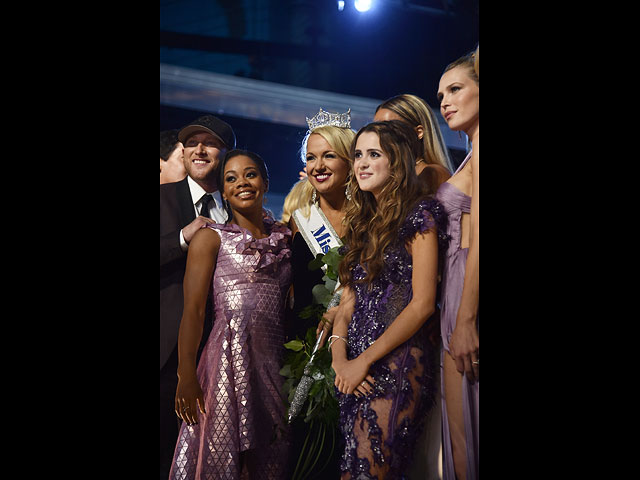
(317, 226)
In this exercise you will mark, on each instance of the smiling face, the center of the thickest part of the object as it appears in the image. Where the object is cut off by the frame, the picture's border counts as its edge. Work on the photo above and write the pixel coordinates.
(202, 152)
(371, 165)
(244, 187)
(327, 172)
(459, 97)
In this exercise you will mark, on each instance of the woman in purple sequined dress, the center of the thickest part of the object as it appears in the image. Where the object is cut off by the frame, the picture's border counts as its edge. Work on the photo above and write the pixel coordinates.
(458, 93)
(232, 405)
(382, 360)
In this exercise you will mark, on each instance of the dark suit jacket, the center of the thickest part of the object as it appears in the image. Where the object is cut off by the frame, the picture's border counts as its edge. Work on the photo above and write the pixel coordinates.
(176, 212)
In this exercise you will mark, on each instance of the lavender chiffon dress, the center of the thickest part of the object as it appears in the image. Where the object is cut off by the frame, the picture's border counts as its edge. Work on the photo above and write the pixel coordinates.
(456, 203)
(238, 369)
(380, 429)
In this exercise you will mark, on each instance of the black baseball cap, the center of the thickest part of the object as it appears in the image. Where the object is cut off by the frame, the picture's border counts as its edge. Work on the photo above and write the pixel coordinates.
(212, 125)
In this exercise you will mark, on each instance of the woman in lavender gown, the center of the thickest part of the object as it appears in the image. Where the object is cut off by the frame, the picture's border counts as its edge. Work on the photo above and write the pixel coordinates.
(383, 362)
(458, 93)
(231, 404)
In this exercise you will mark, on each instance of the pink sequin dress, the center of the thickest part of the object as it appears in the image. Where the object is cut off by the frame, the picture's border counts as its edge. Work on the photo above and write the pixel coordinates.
(239, 367)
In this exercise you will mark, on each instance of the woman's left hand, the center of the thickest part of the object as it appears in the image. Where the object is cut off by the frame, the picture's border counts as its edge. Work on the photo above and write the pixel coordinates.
(352, 377)
(464, 346)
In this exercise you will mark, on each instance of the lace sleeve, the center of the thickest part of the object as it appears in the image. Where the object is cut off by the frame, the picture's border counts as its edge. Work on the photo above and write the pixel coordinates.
(428, 214)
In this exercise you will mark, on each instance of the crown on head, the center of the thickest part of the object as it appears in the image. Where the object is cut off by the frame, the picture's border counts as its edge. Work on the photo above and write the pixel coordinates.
(323, 118)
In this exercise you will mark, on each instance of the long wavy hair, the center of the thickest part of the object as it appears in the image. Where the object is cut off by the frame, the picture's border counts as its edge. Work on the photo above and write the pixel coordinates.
(371, 226)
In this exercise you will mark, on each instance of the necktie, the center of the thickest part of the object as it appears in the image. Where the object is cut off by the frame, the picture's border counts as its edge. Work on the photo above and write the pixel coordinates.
(206, 200)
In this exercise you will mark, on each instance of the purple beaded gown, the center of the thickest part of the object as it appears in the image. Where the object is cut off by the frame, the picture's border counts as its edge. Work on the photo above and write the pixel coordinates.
(238, 369)
(455, 204)
(380, 429)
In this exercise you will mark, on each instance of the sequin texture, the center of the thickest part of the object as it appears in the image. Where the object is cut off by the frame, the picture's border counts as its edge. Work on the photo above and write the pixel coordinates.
(380, 429)
(238, 369)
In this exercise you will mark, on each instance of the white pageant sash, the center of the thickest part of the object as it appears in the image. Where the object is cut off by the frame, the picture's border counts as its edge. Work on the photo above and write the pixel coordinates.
(316, 230)
(320, 237)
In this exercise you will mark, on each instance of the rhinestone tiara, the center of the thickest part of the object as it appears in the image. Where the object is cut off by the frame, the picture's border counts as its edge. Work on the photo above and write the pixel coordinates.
(323, 118)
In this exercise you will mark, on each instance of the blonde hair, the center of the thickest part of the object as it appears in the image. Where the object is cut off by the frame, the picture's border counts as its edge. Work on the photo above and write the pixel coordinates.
(340, 140)
(476, 61)
(467, 61)
(415, 111)
(298, 197)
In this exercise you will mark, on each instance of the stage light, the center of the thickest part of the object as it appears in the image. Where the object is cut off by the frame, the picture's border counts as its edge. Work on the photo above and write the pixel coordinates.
(362, 5)
(340, 5)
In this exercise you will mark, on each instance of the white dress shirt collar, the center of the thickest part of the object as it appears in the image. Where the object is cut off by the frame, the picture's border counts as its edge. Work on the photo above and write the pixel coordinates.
(196, 195)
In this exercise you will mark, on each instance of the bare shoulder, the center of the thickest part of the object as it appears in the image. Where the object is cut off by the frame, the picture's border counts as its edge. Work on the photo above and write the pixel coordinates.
(462, 179)
(205, 240)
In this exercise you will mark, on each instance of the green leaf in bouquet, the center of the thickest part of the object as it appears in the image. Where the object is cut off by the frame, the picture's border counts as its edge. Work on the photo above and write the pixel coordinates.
(310, 337)
(315, 390)
(295, 345)
(317, 262)
(285, 371)
(298, 371)
(313, 310)
(332, 259)
(321, 294)
(330, 275)
(329, 283)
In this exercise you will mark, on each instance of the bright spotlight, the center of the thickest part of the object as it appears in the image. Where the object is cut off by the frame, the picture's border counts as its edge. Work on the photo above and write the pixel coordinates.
(362, 5)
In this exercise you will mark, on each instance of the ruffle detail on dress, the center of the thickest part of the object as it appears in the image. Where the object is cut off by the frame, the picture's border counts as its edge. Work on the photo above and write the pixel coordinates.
(428, 213)
(272, 249)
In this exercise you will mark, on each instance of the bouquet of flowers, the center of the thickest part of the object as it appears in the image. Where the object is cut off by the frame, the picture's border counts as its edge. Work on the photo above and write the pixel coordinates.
(310, 377)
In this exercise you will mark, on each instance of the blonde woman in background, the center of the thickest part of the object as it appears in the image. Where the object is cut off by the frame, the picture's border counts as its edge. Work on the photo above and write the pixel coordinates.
(298, 197)
(434, 166)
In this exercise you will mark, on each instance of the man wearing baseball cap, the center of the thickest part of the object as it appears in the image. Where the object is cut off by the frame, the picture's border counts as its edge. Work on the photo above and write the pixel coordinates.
(185, 206)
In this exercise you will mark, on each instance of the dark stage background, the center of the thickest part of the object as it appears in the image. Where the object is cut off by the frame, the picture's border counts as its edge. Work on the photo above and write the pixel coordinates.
(395, 47)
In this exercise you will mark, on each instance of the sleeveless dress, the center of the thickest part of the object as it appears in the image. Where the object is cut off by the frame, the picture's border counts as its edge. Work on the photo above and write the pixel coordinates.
(456, 203)
(383, 426)
(239, 367)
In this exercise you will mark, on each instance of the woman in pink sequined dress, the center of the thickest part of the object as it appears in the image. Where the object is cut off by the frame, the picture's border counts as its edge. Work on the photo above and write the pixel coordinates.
(231, 405)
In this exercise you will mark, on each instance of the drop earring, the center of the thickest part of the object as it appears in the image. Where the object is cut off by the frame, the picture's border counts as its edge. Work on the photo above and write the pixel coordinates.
(313, 196)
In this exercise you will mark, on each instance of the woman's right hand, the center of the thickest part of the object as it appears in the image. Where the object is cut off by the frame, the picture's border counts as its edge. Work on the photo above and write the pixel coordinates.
(189, 397)
(352, 376)
(326, 324)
